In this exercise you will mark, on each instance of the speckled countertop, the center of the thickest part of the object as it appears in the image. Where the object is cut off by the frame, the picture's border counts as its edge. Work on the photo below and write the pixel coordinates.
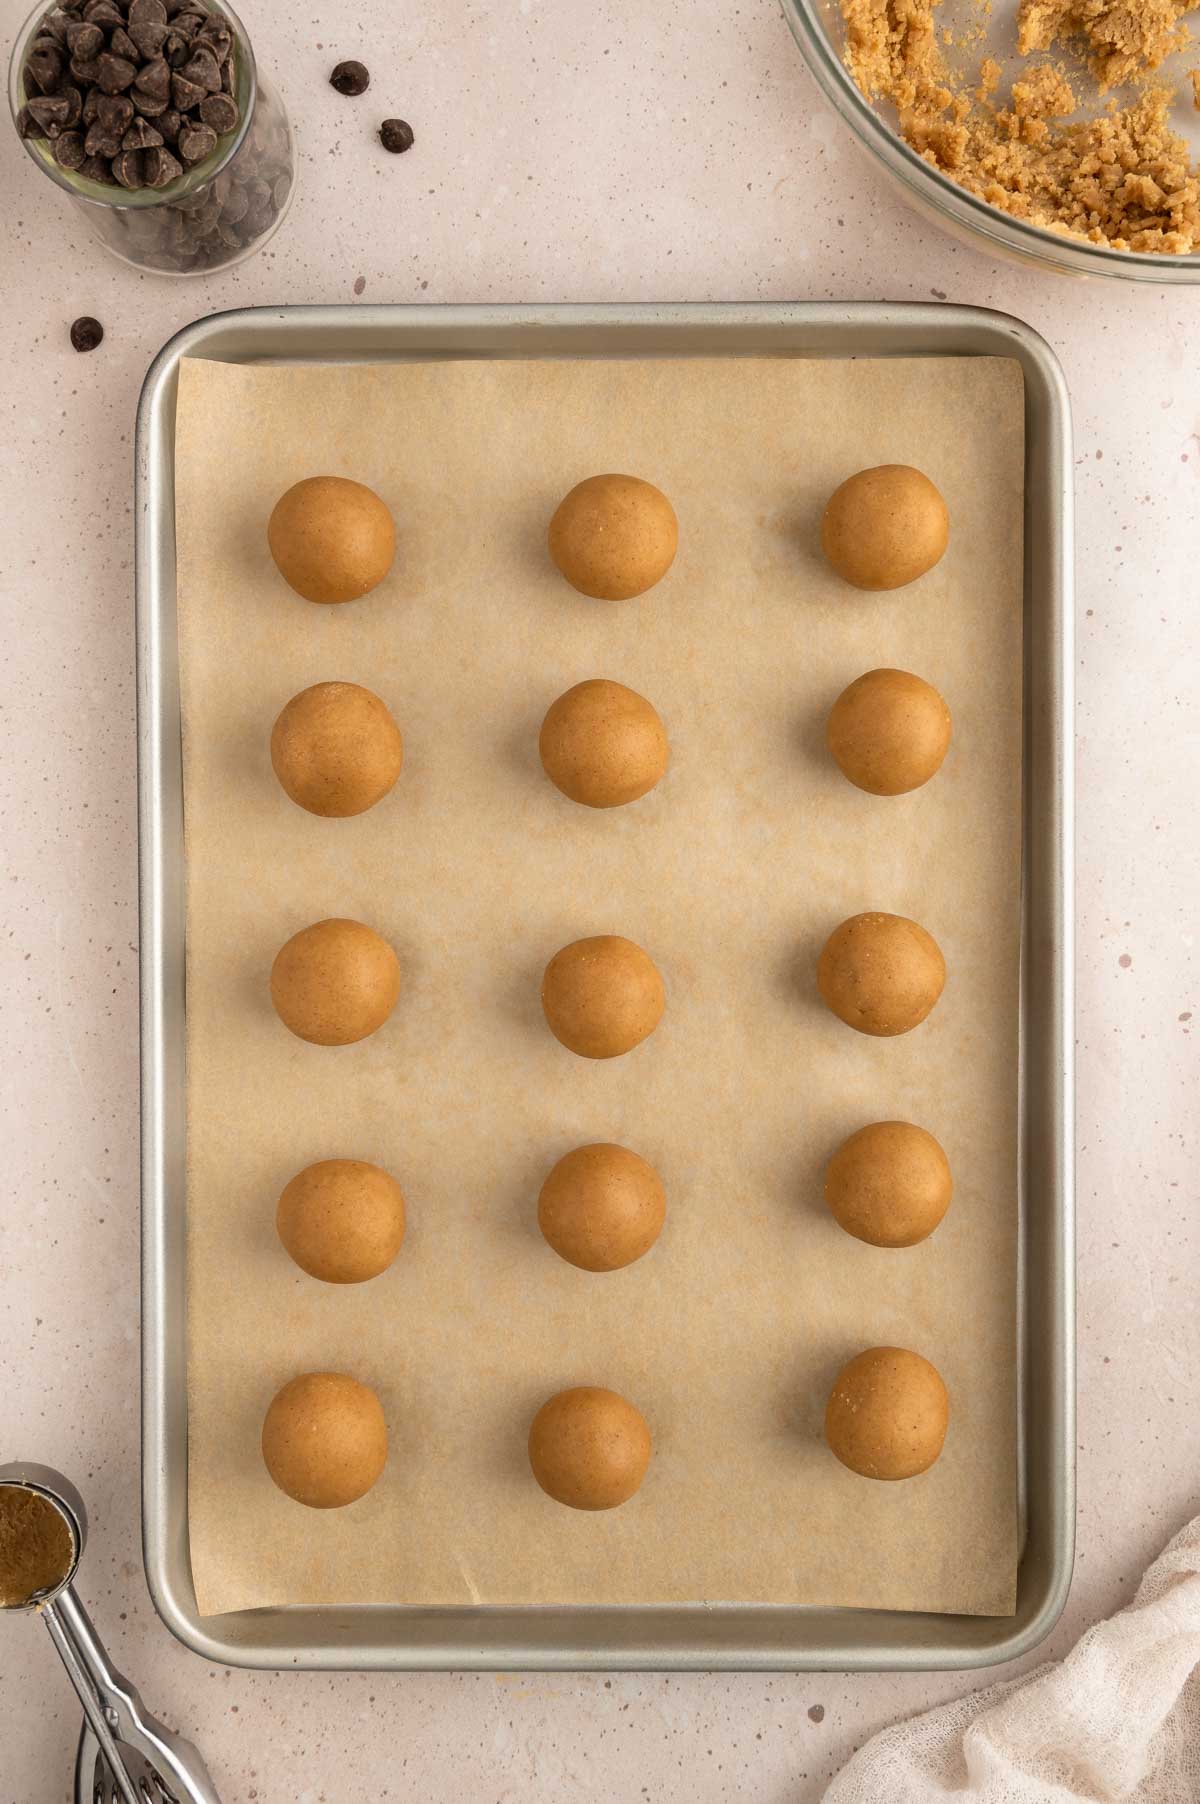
(565, 151)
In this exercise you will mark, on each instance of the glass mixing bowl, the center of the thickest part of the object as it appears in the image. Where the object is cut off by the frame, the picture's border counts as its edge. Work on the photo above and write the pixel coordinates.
(817, 27)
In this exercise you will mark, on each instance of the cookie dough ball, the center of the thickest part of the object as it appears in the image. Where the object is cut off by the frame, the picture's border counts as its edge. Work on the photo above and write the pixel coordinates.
(602, 1207)
(336, 749)
(889, 1184)
(885, 527)
(881, 974)
(602, 997)
(614, 537)
(335, 982)
(602, 744)
(888, 732)
(887, 1414)
(589, 1448)
(342, 1220)
(332, 539)
(324, 1439)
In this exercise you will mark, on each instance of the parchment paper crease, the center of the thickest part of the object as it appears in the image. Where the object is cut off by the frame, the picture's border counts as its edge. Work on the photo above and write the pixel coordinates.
(730, 874)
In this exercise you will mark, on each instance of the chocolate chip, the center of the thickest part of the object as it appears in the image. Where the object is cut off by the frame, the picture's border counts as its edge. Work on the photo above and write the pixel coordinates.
(196, 142)
(46, 67)
(187, 24)
(219, 111)
(217, 35)
(114, 73)
(114, 112)
(160, 168)
(51, 111)
(168, 125)
(121, 44)
(91, 105)
(97, 169)
(147, 12)
(74, 100)
(203, 70)
(350, 79)
(103, 12)
(155, 79)
(185, 95)
(227, 76)
(28, 126)
(87, 333)
(148, 106)
(237, 206)
(396, 135)
(176, 49)
(101, 141)
(57, 24)
(129, 169)
(84, 40)
(68, 150)
(280, 191)
(141, 136)
(86, 70)
(148, 39)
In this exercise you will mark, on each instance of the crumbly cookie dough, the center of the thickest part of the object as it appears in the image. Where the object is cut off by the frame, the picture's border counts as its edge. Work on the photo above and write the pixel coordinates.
(1124, 179)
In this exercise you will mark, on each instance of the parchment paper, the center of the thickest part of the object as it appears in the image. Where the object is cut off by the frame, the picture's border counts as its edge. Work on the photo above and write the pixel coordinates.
(731, 874)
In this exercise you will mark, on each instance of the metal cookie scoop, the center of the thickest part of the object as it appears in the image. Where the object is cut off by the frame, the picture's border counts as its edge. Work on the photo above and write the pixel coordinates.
(126, 1756)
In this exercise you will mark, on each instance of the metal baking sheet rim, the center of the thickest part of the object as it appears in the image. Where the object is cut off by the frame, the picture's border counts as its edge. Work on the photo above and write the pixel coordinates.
(697, 1637)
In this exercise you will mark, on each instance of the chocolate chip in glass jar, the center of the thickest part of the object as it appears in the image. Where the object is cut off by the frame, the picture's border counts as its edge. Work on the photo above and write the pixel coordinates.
(129, 169)
(155, 79)
(74, 100)
(351, 79)
(57, 24)
(141, 136)
(202, 70)
(69, 151)
(196, 142)
(101, 141)
(52, 111)
(396, 135)
(114, 112)
(169, 124)
(114, 73)
(46, 66)
(161, 168)
(27, 125)
(103, 12)
(121, 44)
(86, 71)
(84, 40)
(220, 111)
(185, 95)
(87, 333)
(147, 12)
(97, 169)
(148, 38)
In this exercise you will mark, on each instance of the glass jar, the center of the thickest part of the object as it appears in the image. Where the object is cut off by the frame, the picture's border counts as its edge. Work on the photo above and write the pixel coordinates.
(211, 215)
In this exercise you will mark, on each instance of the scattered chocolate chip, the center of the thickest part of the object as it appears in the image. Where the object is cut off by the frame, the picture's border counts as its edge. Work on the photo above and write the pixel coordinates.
(185, 95)
(46, 67)
(87, 333)
(396, 135)
(121, 44)
(102, 12)
(350, 79)
(202, 70)
(84, 39)
(129, 169)
(114, 73)
(141, 136)
(220, 111)
(52, 111)
(97, 169)
(154, 79)
(168, 125)
(68, 150)
(114, 112)
(196, 142)
(160, 168)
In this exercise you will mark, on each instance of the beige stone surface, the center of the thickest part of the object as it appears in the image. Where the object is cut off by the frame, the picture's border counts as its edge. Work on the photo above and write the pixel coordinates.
(577, 152)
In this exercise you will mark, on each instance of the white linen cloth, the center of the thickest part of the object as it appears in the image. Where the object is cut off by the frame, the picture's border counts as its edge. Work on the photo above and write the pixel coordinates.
(1118, 1719)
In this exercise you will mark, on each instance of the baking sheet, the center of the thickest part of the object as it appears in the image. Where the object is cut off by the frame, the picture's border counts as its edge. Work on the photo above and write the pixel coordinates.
(731, 874)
